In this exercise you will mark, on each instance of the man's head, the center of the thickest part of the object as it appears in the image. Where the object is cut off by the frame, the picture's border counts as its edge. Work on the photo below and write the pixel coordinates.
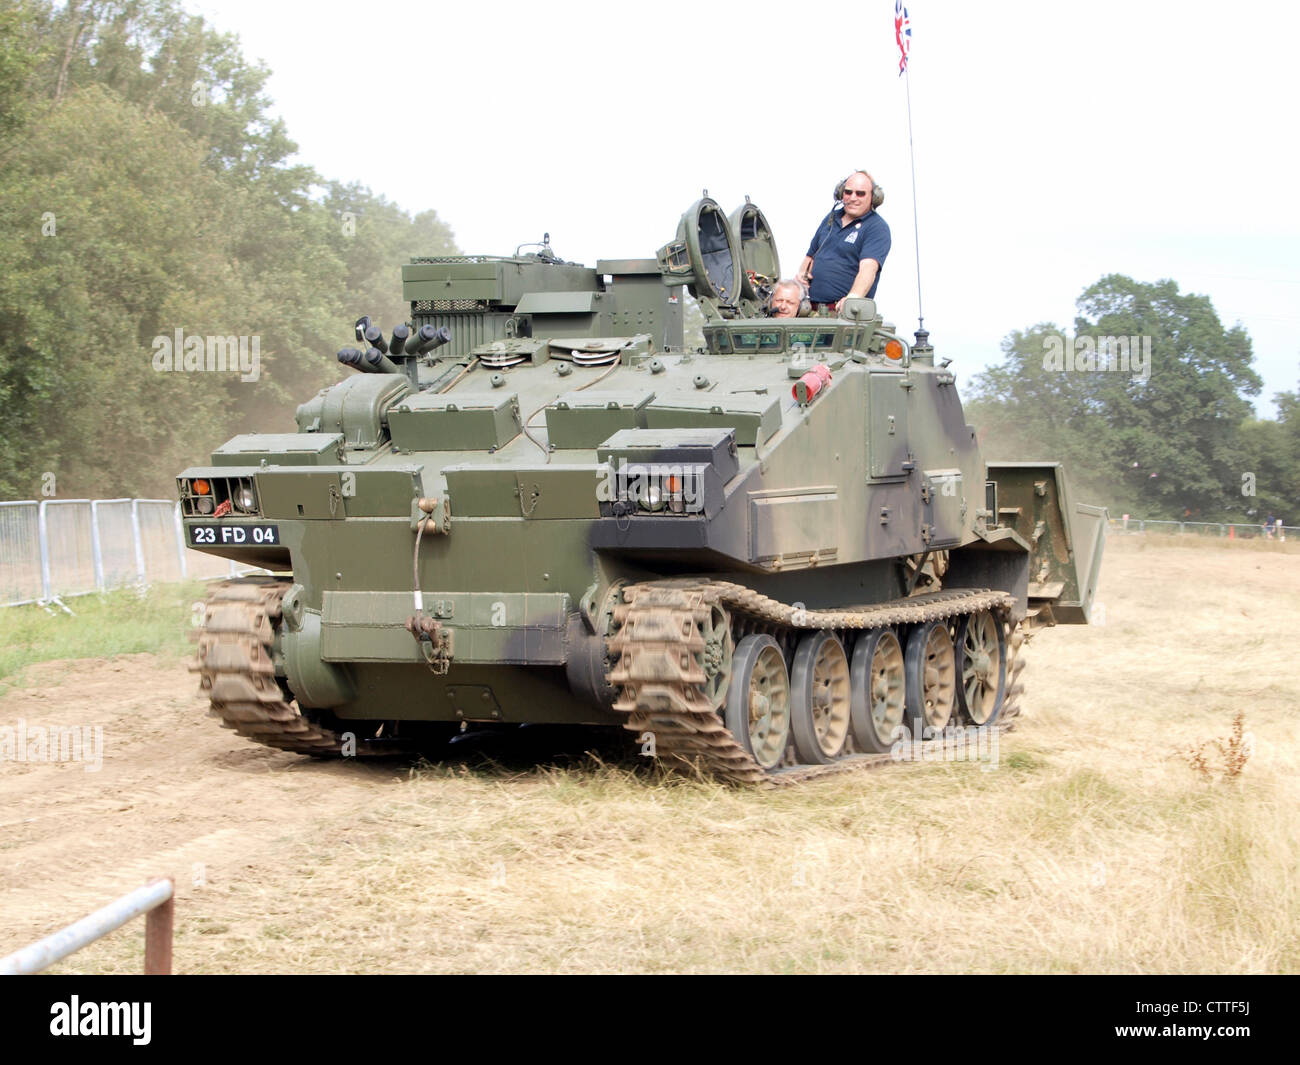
(786, 298)
(858, 194)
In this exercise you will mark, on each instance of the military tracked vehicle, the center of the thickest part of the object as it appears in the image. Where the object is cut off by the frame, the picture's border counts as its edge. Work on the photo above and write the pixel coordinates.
(768, 555)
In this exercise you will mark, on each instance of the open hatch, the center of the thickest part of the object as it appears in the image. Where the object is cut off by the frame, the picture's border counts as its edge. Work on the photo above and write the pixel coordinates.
(705, 256)
(760, 264)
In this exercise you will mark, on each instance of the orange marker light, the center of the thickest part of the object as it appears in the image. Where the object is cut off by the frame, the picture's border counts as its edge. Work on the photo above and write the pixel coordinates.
(201, 487)
(893, 349)
(673, 484)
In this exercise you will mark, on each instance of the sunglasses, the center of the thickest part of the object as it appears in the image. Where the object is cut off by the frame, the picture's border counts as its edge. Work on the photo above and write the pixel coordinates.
(857, 192)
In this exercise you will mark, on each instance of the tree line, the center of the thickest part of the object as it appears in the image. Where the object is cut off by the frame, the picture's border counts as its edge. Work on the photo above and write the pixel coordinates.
(145, 188)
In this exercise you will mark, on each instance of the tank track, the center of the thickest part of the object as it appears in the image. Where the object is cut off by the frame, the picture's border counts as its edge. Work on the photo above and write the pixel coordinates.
(656, 639)
(656, 631)
(237, 672)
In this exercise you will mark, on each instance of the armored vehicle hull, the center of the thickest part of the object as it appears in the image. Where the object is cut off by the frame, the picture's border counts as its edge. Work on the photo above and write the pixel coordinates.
(775, 551)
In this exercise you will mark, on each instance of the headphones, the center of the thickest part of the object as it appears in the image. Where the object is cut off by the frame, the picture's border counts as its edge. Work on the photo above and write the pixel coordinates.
(877, 191)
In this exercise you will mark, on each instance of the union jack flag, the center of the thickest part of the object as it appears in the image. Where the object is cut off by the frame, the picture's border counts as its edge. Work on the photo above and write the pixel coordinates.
(902, 34)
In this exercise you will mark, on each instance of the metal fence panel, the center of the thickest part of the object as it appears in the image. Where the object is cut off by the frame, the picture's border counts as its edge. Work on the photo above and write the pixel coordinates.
(158, 540)
(20, 553)
(69, 550)
(117, 542)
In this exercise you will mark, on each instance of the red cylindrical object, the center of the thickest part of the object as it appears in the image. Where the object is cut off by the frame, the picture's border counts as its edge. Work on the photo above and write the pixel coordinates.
(811, 383)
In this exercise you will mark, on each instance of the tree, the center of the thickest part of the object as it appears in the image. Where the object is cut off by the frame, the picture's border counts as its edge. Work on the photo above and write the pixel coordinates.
(1145, 402)
(157, 56)
(1273, 460)
(372, 237)
(1027, 411)
(1184, 423)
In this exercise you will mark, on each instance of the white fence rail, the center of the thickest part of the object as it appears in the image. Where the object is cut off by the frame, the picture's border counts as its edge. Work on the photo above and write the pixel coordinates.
(1235, 530)
(63, 547)
(155, 900)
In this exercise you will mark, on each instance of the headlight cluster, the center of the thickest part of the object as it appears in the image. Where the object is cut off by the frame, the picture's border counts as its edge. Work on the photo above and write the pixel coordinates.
(677, 492)
(216, 497)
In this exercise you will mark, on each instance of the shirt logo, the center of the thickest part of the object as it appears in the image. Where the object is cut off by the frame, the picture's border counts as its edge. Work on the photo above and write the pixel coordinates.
(851, 238)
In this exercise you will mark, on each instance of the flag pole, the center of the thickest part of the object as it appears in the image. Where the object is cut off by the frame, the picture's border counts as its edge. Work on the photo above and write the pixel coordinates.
(903, 35)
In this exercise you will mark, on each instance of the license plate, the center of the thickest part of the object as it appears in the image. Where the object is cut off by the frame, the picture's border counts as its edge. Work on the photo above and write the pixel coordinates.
(233, 535)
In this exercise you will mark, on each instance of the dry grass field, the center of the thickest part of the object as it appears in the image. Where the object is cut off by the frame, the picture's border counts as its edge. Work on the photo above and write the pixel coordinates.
(1093, 846)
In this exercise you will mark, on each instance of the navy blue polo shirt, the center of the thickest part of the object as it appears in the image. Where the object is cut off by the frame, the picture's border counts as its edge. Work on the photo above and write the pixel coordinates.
(837, 250)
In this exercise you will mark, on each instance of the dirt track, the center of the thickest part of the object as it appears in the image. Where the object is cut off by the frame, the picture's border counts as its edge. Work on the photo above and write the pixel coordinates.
(176, 794)
(245, 831)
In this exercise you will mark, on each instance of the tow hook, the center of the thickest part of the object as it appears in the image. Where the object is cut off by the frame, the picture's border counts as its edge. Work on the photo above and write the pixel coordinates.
(434, 642)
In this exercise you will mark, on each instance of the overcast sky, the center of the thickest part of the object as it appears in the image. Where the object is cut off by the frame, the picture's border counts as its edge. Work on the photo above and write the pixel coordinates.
(1054, 143)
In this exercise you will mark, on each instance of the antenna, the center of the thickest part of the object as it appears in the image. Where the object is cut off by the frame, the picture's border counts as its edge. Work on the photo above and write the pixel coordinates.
(546, 255)
(916, 232)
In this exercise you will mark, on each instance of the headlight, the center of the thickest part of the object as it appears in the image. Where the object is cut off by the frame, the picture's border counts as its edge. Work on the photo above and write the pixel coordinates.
(245, 497)
(651, 496)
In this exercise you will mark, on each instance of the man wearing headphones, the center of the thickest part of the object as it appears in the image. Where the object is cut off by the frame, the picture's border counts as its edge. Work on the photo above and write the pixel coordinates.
(786, 300)
(849, 248)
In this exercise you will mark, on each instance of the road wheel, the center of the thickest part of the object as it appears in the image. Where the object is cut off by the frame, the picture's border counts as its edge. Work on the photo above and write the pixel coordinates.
(981, 667)
(878, 703)
(931, 666)
(758, 703)
(819, 698)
